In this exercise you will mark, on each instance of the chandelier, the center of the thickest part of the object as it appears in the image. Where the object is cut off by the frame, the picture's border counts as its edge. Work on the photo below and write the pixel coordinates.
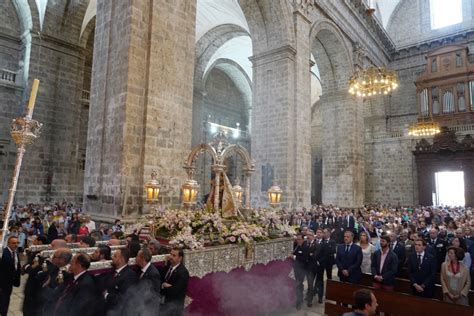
(373, 81)
(423, 128)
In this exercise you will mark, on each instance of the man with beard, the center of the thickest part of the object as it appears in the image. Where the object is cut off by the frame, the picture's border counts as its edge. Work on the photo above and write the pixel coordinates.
(384, 266)
(101, 253)
(119, 281)
(175, 279)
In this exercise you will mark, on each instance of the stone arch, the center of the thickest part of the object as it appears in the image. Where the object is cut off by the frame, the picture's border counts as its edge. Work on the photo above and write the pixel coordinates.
(208, 45)
(241, 152)
(88, 31)
(332, 55)
(270, 23)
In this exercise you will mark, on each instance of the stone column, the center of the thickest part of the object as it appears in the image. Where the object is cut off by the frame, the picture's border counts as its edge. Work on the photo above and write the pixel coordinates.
(343, 149)
(281, 119)
(141, 102)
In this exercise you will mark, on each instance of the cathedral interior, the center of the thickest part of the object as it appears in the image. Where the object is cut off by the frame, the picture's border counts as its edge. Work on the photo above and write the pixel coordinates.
(128, 87)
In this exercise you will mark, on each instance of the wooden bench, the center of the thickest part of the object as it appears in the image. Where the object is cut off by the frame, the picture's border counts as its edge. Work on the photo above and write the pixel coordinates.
(340, 294)
(404, 286)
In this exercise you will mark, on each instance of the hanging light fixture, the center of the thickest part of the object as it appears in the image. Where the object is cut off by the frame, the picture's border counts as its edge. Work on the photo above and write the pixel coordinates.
(424, 128)
(373, 81)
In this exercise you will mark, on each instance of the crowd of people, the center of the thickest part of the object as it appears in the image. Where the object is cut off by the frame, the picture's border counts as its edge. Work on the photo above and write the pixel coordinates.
(425, 245)
(65, 285)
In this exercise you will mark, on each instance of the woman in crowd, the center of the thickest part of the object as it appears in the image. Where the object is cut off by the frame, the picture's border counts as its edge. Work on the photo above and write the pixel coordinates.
(83, 230)
(455, 278)
(367, 250)
(37, 228)
(461, 243)
(74, 224)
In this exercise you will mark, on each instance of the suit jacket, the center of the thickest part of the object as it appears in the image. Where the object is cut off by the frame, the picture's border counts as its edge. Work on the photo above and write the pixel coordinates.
(350, 261)
(425, 274)
(315, 257)
(9, 274)
(153, 278)
(348, 225)
(32, 303)
(399, 250)
(179, 280)
(78, 298)
(438, 250)
(389, 269)
(117, 285)
(329, 251)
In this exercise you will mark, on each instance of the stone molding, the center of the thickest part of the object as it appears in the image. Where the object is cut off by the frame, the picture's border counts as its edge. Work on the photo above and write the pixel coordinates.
(283, 52)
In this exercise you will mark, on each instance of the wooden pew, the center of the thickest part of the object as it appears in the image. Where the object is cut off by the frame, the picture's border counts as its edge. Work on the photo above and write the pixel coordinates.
(392, 303)
(404, 286)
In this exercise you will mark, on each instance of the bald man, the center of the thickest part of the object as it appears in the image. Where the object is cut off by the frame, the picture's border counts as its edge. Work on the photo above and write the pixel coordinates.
(58, 243)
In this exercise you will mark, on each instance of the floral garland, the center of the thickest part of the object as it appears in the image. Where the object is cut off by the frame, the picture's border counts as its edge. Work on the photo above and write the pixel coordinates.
(194, 228)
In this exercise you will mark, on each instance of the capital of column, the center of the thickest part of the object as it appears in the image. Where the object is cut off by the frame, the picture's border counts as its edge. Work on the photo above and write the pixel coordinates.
(283, 52)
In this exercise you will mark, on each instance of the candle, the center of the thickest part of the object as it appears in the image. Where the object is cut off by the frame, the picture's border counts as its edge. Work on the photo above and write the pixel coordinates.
(31, 103)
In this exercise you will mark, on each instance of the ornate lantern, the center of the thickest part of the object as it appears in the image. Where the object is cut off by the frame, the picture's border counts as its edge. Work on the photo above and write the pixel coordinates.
(274, 195)
(238, 191)
(190, 191)
(152, 187)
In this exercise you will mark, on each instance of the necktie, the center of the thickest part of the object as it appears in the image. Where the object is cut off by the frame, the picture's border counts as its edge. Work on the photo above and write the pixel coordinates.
(15, 259)
(419, 261)
(168, 274)
(347, 248)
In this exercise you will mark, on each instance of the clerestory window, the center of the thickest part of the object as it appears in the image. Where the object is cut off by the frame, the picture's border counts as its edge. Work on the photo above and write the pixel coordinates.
(445, 13)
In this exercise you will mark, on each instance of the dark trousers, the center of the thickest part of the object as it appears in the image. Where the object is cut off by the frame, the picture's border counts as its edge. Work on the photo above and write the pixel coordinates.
(5, 294)
(315, 278)
(300, 274)
(328, 269)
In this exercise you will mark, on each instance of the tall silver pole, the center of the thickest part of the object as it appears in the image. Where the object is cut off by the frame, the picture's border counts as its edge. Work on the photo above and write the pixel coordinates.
(24, 131)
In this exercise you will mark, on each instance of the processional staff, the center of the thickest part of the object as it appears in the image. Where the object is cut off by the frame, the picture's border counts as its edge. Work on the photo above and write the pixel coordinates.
(24, 131)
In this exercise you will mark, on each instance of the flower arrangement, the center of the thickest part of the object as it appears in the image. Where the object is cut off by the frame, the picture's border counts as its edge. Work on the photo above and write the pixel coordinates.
(194, 229)
(187, 239)
(244, 232)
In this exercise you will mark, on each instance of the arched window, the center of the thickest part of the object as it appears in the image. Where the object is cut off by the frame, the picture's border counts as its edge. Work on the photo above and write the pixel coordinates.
(461, 99)
(448, 101)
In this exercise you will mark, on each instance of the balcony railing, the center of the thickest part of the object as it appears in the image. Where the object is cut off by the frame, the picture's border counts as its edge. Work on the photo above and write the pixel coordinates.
(7, 75)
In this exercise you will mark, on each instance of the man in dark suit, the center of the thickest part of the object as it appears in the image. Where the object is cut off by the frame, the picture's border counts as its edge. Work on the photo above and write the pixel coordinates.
(422, 270)
(300, 266)
(32, 300)
(10, 271)
(384, 266)
(315, 269)
(174, 283)
(349, 259)
(80, 296)
(437, 247)
(51, 278)
(118, 282)
(149, 285)
(329, 252)
(348, 222)
(398, 247)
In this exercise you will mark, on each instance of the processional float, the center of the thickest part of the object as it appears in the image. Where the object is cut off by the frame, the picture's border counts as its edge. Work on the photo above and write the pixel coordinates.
(230, 200)
(24, 131)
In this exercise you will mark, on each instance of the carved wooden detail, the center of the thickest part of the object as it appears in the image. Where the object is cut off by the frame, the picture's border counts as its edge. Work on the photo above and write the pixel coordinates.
(445, 91)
